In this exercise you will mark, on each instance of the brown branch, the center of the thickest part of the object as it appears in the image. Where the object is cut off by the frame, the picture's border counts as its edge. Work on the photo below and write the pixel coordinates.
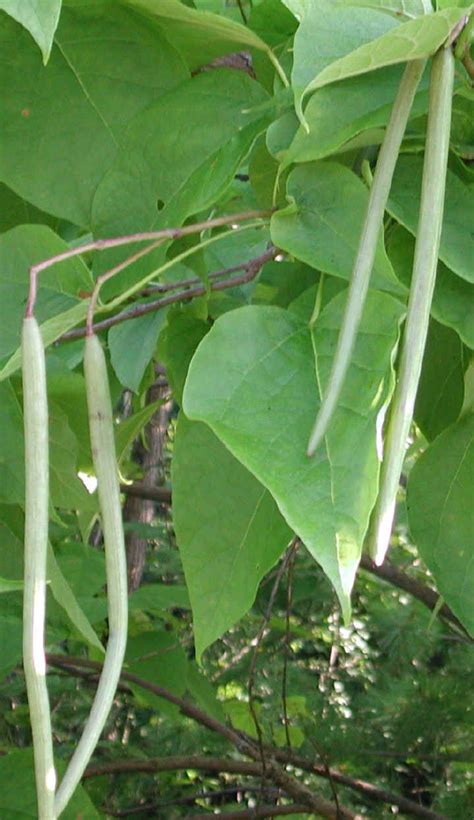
(258, 811)
(429, 597)
(244, 744)
(175, 763)
(165, 287)
(162, 495)
(251, 270)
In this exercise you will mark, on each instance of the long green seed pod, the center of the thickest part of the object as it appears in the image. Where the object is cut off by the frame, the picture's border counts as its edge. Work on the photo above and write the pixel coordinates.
(364, 260)
(103, 452)
(421, 293)
(36, 541)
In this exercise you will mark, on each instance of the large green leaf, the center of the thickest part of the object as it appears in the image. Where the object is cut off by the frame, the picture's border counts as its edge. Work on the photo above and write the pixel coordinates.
(412, 40)
(341, 111)
(257, 378)
(39, 17)
(441, 515)
(456, 248)
(327, 32)
(60, 126)
(453, 299)
(59, 286)
(441, 388)
(228, 528)
(322, 224)
(172, 164)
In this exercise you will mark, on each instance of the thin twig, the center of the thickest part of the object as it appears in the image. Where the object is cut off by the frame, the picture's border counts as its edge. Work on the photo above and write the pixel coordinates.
(141, 236)
(242, 12)
(257, 641)
(251, 271)
(286, 647)
(165, 287)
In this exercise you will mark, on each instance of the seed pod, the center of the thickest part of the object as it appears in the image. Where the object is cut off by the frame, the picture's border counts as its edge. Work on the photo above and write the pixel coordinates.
(364, 260)
(35, 409)
(105, 464)
(421, 295)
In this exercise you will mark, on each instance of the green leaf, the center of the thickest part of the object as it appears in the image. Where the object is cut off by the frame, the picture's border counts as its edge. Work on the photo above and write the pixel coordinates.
(203, 691)
(441, 515)
(59, 287)
(200, 35)
(441, 388)
(228, 528)
(65, 597)
(11, 653)
(272, 21)
(156, 597)
(172, 164)
(402, 8)
(453, 299)
(12, 482)
(322, 225)
(66, 490)
(67, 392)
(341, 111)
(128, 430)
(51, 330)
(158, 657)
(17, 211)
(132, 345)
(18, 792)
(257, 378)
(413, 40)
(176, 347)
(326, 33)
(39, 17)
(456, 237)
(60, 126)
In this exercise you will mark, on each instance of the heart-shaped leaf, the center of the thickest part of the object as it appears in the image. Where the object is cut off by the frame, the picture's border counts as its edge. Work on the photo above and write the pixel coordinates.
(256, 380)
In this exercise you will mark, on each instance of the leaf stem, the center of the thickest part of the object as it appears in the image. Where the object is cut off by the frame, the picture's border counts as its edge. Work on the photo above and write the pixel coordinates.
(421, 294)
(364, 260)
(251, 269)
(128, 239)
